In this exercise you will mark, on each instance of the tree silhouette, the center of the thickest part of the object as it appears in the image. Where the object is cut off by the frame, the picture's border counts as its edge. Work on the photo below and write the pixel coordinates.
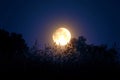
(76, 56)
(78, 53)
(12, 48)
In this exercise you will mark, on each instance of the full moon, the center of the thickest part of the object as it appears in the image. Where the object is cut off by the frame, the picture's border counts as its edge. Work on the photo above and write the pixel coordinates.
(61, 36)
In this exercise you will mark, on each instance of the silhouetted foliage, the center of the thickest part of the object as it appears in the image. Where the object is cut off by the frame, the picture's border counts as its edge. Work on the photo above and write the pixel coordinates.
(12, 49)
(77, 52)
(75, 57)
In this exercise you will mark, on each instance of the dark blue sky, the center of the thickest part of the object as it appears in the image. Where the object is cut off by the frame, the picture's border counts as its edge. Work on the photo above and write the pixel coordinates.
(97, 20)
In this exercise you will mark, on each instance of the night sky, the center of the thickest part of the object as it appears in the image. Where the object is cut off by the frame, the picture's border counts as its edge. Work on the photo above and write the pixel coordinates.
(97, 20)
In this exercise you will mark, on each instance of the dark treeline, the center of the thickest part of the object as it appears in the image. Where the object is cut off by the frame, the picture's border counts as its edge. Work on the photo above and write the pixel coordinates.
(77, 57)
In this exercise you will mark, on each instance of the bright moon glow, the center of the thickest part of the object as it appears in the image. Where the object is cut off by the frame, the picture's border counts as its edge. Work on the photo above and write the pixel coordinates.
(61, 36)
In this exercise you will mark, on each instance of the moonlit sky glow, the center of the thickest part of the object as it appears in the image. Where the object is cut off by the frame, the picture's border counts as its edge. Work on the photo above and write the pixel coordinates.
(97, 20)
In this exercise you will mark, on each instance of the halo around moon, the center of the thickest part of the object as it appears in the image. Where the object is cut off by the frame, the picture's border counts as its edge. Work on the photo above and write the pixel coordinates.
(61, 36)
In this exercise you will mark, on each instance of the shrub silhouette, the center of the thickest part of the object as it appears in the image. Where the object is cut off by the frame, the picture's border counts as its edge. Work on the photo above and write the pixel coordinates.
(78, 52)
